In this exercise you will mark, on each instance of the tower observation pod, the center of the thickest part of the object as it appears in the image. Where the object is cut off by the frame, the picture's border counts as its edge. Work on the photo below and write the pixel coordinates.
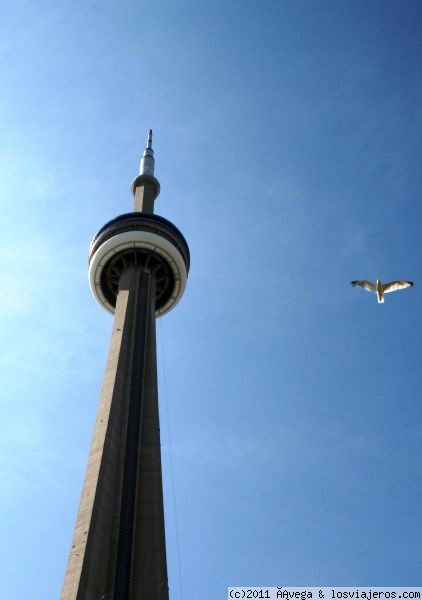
(138, 268)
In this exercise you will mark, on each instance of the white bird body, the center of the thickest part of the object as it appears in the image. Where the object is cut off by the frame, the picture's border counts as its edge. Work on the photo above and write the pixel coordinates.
(382, 288)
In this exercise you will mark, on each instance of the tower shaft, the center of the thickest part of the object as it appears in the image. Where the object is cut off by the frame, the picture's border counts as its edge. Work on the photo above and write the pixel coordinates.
(144, 197)
(138, 268)
(118, 548)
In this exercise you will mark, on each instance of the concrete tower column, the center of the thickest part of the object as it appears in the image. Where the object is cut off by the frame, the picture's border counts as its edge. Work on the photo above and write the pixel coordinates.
(138, 269)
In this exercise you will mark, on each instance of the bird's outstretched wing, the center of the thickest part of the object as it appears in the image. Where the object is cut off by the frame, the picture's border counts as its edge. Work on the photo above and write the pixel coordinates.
(397, 285)
(366, 285)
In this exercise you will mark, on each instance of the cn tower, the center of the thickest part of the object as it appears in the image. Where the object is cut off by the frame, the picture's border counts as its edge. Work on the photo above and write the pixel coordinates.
(138, 268)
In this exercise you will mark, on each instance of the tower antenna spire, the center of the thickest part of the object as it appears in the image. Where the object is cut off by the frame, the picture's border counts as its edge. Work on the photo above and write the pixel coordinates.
(145, 186)
(147, 160)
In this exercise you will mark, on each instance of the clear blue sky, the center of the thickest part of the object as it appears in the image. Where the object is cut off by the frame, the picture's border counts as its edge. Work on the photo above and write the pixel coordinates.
(287, 137)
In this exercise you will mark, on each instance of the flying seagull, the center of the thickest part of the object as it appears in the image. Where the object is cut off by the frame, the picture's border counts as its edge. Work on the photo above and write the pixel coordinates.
(382, 288)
